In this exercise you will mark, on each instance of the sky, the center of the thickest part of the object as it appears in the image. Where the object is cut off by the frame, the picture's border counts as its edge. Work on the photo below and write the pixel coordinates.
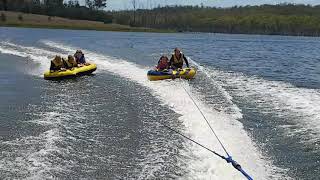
(127, 4)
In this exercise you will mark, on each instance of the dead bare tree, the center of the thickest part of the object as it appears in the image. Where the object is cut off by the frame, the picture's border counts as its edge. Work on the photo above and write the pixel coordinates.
(134, 4)
(4, 4)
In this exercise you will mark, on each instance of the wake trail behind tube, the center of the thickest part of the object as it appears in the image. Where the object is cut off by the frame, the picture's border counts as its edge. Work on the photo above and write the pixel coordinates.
(50, 154)
(31, 157)
(231, 108)
(301, 105)
(40, 56)
(228, 158)
(202, 164)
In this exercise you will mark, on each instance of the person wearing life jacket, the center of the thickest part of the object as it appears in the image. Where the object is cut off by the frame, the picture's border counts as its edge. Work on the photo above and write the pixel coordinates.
(57, 64)
(163, 63)
(79, 56)
(176, 61)
(70, 62)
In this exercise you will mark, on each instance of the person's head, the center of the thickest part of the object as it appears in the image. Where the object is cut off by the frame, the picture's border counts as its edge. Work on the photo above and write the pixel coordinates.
(164, 59)
(78, 53)
(57, 58)
(177, 51)
(70, 58)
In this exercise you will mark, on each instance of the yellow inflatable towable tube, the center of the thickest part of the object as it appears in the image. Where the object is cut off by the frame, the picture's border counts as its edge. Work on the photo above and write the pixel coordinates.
(186, 73)
(70, 73)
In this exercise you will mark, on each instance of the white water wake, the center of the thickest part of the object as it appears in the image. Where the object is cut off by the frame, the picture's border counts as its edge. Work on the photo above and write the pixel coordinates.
(300, 105)
(39, 56)
(235, 110)
(202, 164)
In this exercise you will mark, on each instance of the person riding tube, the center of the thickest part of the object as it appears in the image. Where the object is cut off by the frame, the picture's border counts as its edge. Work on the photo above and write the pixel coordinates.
(79, 56)
(177, 58)
(70, 62)
(163, 63)
(57, 64)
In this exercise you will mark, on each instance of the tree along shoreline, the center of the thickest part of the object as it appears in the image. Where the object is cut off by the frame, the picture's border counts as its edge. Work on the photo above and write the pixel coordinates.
(281, 19)
(67, 9)
(24, 20)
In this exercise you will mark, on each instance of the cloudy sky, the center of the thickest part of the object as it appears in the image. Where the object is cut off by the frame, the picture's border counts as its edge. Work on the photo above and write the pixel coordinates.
(127, 4)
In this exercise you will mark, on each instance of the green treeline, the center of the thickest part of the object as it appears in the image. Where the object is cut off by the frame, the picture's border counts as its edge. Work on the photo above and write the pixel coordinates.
(68, 9)
(282, 19)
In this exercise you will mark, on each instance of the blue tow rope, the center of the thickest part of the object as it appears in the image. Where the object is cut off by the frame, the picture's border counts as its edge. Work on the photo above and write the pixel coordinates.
(237, 167)
(228, 158)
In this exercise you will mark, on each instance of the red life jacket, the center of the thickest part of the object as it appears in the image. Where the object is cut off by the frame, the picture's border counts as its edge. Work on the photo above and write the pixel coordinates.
(162, 65)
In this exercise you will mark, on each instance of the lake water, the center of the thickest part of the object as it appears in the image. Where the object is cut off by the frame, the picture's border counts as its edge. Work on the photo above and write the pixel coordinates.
(261, 94)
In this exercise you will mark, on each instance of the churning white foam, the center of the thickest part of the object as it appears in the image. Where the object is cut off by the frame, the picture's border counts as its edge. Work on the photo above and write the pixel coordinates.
(30, 156)
(300, 105)
(236, 111)
(40, 56)
(202, 165)
(43, 156)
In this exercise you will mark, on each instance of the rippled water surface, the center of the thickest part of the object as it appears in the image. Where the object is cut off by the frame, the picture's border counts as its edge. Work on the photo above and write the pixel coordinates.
(261, 94)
